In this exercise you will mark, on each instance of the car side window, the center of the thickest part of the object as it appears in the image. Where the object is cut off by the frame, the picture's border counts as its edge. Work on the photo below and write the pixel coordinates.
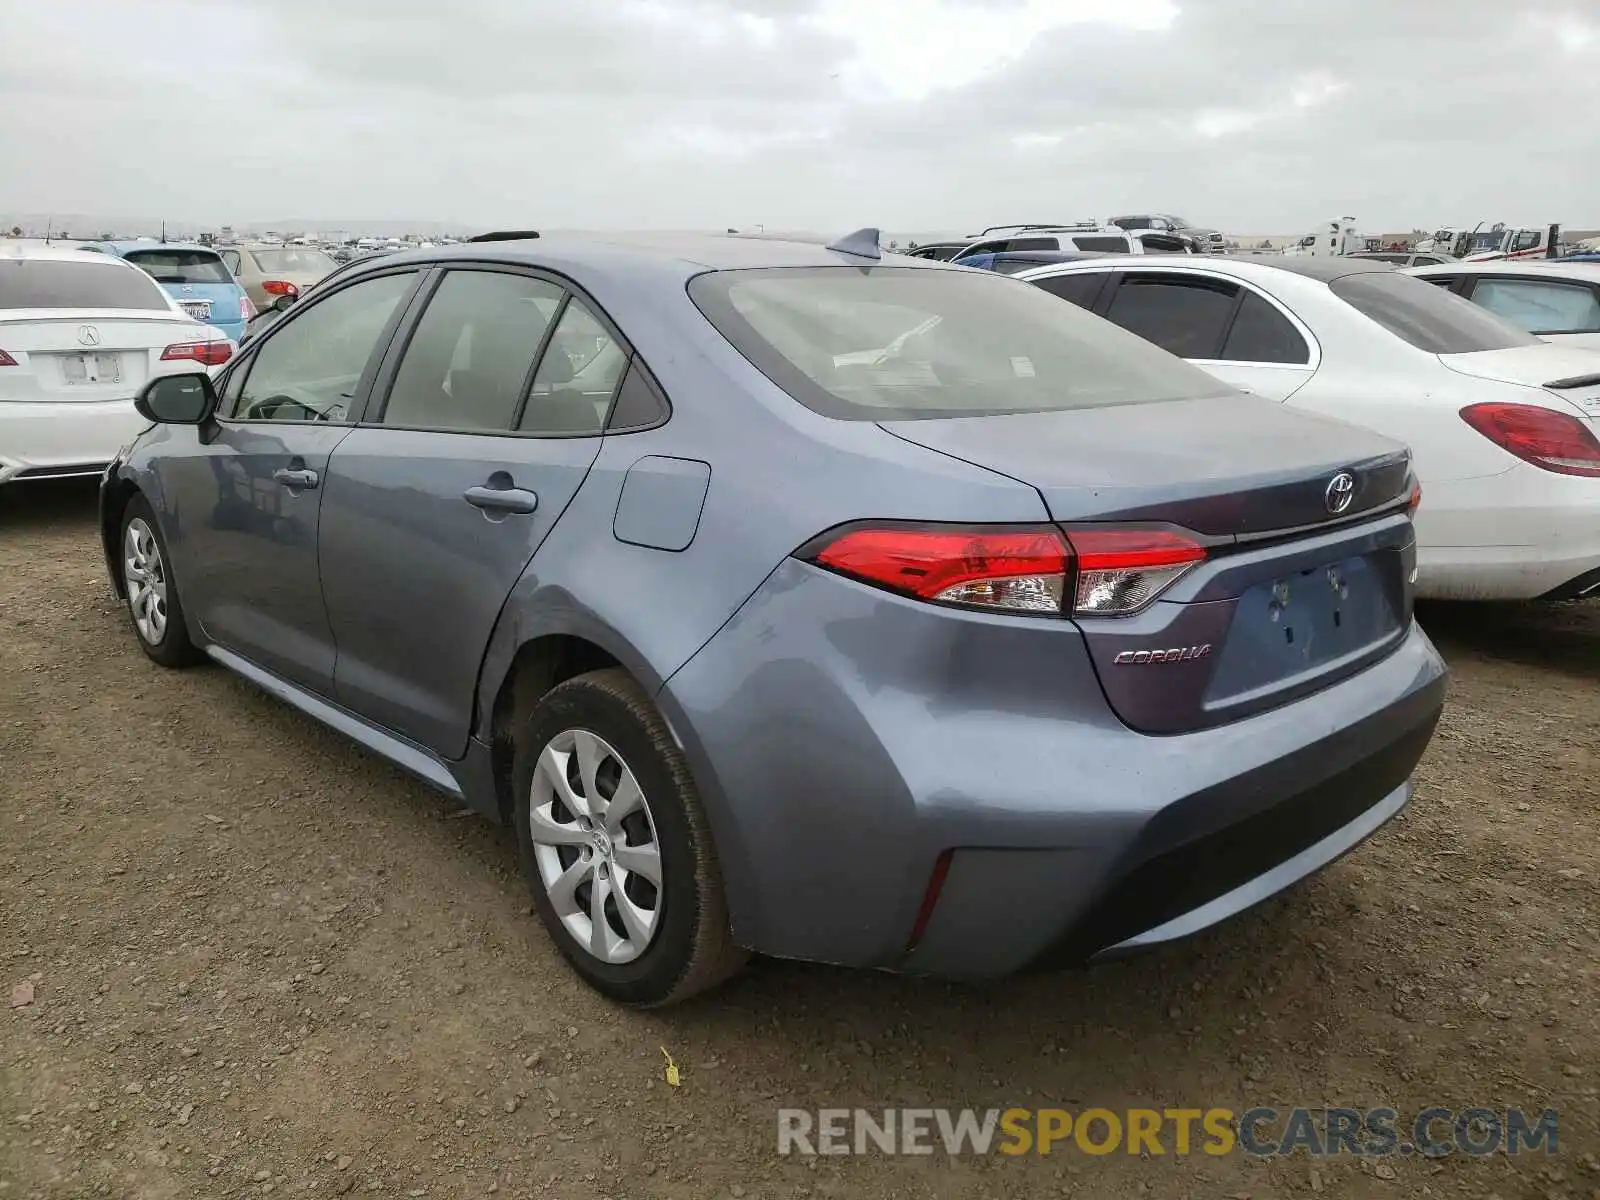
(233, 388)
(1081, 287)
(307, 368)
(1444, 281)
(1262, 334)
(230, 259)
(1541, 306)
(1033, 243)
(1183, 315)
(1101, 245)
(1527, 239)
(466, 366)
(640, 402)
(577, 377)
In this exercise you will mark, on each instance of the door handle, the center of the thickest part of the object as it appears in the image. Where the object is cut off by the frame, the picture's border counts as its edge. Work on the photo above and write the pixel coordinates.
(505, 500)
(296, 478)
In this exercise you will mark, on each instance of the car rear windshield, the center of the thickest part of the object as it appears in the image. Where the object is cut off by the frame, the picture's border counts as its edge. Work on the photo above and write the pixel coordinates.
(899, 343)
(1426, 315)
(181, 266)
(45, 283)
(294, 262)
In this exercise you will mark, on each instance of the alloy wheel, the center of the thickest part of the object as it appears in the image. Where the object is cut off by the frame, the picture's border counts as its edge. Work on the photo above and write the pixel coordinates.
(594, 841)
(145, 575)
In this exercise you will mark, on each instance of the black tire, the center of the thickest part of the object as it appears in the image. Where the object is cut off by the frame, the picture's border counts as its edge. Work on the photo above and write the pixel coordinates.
(173, 647)
(691, 948)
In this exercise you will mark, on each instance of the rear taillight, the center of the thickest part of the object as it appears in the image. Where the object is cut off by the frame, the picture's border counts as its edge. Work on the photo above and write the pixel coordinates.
(1122, 570)
(1550, 440)
(1019, 570)
(280, 287)
(6, 360)
(1038, 571)
(211, 354)
(1414, 500)
(246, 310)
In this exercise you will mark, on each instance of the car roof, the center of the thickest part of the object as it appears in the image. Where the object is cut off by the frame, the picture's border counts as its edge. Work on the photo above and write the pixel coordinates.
(127, 247)
(1515, 266)
(679, 255)
(25, 250)
(1246, 265)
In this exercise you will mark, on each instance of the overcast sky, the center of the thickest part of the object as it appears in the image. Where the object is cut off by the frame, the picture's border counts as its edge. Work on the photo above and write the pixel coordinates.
(816, 114)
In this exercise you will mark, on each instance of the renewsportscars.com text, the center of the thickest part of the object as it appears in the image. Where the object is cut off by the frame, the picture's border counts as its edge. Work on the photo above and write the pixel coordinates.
(1433, 1132)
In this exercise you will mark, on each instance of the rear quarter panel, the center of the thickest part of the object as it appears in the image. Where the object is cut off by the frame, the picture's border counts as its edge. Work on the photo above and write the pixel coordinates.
(779, 475)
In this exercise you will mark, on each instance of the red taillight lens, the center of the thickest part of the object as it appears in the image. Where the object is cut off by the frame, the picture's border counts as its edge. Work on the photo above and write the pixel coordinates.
(1122, 570)
(1550, 440)
(1086, 572)
(6, 360)
(280, 287)
(1414, 501)
(246, 309)
(212, 354)
(1018, 570)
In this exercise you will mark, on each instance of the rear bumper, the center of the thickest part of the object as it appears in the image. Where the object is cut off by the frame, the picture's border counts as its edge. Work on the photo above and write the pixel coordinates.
(843, 742)
(1525, 534)
(44, 439)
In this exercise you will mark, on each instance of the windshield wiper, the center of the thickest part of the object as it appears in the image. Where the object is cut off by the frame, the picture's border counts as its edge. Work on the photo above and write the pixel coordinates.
(1574, 381)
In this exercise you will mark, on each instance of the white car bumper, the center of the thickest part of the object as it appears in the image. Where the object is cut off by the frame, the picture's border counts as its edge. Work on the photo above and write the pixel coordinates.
(1520, 535)
(56, 440)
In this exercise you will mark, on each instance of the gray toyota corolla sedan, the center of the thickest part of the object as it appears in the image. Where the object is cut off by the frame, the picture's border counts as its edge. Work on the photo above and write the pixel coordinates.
(792, 600)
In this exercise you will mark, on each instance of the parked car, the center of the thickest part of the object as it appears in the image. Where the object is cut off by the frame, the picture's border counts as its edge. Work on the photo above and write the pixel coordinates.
(1502, 425)
(1010, 262)
(1076, 652)
(1557, 299)
(938, 251)
(268, 272)
(1200, 241)
(80, 333)
(1402, 258)
(1087, 237)
(193, 275)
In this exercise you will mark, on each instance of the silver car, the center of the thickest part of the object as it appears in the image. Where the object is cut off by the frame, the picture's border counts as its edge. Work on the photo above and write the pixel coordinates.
(793, 599)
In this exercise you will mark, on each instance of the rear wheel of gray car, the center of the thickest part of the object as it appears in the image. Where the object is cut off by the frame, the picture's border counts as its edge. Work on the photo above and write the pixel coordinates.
(152, 594)
(616, 846)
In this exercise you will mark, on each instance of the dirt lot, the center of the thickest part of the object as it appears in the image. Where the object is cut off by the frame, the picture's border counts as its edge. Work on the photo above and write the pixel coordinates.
(263, 961)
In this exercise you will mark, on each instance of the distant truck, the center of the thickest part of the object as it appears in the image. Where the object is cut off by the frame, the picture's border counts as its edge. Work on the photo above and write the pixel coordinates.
(1337, 237)
(1481, 244)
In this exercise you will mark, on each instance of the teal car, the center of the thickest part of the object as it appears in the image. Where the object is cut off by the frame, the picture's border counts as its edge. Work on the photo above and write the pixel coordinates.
(193, 275)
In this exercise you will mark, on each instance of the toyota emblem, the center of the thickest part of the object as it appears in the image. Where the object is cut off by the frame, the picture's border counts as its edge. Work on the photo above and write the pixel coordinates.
(88, 335)
(1341, 490)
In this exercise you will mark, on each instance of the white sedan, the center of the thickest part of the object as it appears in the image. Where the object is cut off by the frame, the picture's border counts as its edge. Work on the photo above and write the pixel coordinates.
(1559, 301)
(80, 333)
(1503, 426)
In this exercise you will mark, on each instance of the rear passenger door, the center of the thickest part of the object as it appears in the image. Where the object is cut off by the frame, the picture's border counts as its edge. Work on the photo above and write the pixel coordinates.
(1225, 327)
(487, 414)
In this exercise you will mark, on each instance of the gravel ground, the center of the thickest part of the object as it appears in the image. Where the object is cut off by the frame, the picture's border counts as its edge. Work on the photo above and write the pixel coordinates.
(263, 961)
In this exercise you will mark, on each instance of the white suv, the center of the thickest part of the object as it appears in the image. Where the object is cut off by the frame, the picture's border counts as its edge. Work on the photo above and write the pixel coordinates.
(1088, 237)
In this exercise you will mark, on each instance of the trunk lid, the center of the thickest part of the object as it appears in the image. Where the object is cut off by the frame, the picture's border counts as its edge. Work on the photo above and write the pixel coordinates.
(1568, 373)
(87, 355)
(1290, 600)
(1222, 466)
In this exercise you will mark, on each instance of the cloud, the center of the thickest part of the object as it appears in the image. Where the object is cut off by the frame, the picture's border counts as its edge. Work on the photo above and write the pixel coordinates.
(804, 113)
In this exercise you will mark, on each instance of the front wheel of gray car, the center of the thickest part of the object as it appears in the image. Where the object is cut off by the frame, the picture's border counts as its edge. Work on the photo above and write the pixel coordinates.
(152, 595)
(616, 846)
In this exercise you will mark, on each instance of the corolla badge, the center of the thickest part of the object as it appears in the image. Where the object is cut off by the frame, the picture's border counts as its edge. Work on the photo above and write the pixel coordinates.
(88, 335)
(1341, 490)
(1138, 658)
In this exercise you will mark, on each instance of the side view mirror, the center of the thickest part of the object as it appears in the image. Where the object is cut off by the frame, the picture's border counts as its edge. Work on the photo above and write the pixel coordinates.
(188, 399)
(283, 303)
